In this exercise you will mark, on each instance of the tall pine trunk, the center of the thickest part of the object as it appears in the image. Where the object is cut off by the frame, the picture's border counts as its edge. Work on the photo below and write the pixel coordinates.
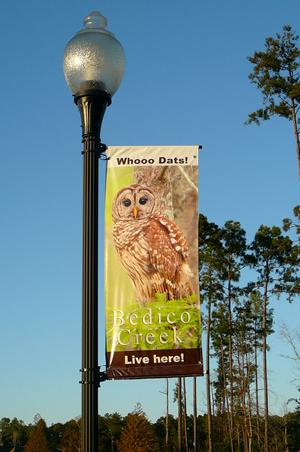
(242, 397)
(296, 134)
(225, 401)
(167, 417)
(208, 385)
(184, 416)
(256, 394)
(249, 406)
(195, 412)
(179, 420)
(231, 422)
(264, 351)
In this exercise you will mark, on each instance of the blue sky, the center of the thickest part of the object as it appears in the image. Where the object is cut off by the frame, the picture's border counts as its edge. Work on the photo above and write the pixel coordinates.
(186, 82)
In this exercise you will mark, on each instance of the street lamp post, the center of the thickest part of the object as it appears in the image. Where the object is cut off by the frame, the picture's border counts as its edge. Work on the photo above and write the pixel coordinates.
(93, 67)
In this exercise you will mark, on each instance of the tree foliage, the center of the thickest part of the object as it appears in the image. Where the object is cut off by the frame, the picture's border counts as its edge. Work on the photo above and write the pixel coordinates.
(138, 434)
(70, 440)
(37, 439)
(276, 73)
(238, 283)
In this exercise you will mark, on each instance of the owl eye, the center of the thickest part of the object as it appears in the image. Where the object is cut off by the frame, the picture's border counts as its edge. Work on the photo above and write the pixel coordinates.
(126, 202)
(143, 200)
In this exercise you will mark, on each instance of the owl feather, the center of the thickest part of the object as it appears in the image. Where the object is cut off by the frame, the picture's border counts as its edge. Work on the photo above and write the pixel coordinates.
(151, 247)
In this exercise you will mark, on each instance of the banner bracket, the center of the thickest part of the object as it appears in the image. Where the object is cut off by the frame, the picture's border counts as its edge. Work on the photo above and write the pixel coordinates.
(102, 377)
(92, 375)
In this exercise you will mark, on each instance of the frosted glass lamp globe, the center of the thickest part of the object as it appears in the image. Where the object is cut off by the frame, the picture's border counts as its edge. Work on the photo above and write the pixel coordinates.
(94, 59)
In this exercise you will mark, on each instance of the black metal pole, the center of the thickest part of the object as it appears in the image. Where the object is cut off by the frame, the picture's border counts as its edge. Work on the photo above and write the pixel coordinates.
(92, 105)
(195, 412)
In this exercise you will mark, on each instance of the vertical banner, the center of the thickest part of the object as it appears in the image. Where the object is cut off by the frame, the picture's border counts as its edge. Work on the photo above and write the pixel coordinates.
(153, 326)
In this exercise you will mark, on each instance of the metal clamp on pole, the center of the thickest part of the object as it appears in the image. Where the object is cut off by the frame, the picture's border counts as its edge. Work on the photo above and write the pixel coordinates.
(102, 377)
(92, 376)
(102, 150)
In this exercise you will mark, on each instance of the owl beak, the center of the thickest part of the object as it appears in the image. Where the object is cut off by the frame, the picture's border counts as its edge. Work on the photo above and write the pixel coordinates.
(135, 212)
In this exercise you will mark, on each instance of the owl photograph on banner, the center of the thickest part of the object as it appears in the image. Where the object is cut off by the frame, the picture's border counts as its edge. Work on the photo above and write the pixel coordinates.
(151, 247)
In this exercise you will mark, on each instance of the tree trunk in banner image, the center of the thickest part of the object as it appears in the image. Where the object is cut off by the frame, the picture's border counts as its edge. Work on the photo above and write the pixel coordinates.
(159, 179)
(177, 187)
(185, 205)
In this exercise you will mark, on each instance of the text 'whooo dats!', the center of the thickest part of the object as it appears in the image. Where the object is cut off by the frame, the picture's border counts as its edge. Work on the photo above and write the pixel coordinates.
(127, 161)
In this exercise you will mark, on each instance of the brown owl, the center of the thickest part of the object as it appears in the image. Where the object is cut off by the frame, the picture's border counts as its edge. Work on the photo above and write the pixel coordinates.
(151, 247)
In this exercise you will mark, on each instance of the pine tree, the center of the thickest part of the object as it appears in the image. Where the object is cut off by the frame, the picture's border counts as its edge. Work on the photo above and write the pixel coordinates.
(276, 73)
(178, 397)
(138, 434)
(37, 439)
(234, 249)
(289, 224)
(211, 291)
(12, 433)
(110, 428)
(275, 261)
(70, 441)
